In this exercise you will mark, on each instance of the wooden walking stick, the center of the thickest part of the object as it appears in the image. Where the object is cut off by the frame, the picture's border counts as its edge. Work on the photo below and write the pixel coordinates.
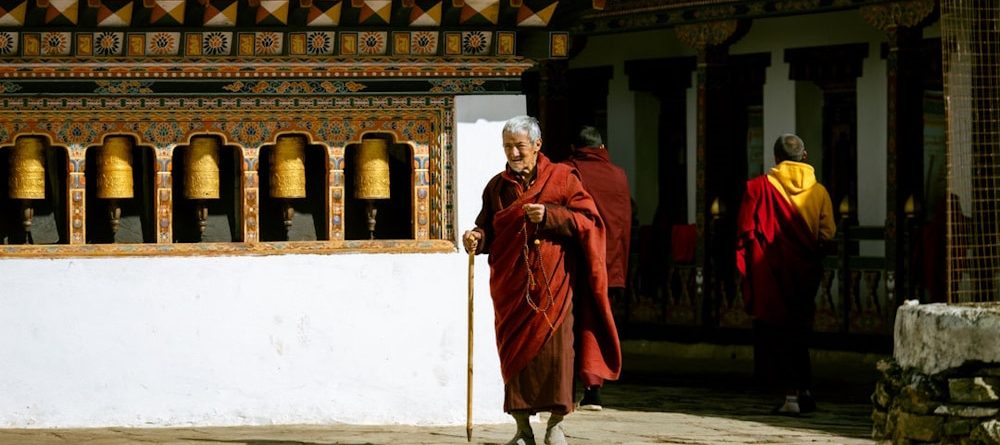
(468, 384)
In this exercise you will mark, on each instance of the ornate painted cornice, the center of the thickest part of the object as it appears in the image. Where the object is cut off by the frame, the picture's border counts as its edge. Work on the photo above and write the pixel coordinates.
(708, 34)
(259, 45)
(634, 15)
(909, 14)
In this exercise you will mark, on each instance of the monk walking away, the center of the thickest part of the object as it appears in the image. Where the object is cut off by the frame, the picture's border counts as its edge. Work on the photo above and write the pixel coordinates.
(784, 219)
(608, 184)
(543, 233)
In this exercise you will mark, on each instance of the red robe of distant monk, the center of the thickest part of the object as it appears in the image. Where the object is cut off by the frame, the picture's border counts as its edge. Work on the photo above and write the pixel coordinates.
(571, 246)
(608, 184)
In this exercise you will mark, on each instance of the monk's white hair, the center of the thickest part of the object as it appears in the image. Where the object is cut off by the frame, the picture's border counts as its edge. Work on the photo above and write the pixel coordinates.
(523, 124)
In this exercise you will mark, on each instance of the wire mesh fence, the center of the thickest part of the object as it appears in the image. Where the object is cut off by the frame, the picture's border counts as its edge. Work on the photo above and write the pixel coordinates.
(970, 41)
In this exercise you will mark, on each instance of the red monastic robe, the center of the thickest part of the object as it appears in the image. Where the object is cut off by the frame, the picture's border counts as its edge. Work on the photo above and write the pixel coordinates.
(778, 256)
(572, 247)
(608, 184)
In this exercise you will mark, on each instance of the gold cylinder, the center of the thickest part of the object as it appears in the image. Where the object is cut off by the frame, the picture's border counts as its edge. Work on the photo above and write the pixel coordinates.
(371, 178)
(201, 164)
(288, 168)
(27, 169)
(114, 168)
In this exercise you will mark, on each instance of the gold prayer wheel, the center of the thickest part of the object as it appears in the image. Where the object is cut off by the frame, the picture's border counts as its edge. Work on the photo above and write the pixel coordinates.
(114, 169)
(27, 169)
(201, 162)
(371, 178)
(288, 168)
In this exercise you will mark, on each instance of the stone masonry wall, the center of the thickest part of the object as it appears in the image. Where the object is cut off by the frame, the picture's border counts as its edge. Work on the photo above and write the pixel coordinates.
(958, 406)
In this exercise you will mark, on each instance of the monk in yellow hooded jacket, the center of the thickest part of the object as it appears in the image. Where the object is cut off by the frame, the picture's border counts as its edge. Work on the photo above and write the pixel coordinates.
(784, 218)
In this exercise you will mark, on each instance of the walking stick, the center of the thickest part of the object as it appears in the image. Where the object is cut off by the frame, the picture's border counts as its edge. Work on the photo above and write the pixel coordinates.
(468, 384)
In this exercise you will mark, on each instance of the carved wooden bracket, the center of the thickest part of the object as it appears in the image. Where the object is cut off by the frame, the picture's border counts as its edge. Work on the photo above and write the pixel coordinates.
(708, 34)
(909, 14)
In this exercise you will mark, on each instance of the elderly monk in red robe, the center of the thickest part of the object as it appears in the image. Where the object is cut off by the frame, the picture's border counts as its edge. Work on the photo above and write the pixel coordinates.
(784, 218)
(543, 233)
(608, 184)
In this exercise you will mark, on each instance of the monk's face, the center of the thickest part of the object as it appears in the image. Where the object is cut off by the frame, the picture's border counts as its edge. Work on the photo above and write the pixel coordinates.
(521, 152)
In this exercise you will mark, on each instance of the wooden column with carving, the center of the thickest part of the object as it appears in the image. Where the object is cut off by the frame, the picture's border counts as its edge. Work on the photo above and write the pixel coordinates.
(902, 23)
(335, 176)
(163, 197)
(77, 194)
(251, 195)
(711, 40)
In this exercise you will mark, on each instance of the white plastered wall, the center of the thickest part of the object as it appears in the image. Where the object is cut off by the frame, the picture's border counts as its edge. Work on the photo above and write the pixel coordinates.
(304, 339)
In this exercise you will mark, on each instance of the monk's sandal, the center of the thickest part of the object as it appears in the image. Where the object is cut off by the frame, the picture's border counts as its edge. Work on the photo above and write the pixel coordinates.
(524, 435)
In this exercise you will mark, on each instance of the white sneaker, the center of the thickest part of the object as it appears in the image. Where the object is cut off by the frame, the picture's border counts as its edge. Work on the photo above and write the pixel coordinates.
(555, 436)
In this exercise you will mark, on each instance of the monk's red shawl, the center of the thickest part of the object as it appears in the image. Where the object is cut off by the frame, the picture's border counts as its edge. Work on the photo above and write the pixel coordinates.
(607, 183)
(521, 331)
(777, 254)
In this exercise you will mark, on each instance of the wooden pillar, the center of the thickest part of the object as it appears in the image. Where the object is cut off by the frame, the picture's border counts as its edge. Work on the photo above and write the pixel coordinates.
(711, 40)
(902, 22)
(668, 79)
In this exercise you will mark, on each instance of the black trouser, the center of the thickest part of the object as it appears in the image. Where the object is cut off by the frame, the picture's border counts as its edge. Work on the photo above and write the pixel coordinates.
(781, 355)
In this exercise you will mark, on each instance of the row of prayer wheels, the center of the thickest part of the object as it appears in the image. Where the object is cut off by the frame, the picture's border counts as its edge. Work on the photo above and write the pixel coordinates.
(201, 162)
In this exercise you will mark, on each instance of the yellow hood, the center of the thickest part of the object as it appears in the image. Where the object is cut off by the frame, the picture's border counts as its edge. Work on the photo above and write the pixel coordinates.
(796, 181)
(793, 177)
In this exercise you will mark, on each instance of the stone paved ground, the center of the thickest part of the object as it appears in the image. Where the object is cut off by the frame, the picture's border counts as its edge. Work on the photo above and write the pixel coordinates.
(671, 394)
(658, 410)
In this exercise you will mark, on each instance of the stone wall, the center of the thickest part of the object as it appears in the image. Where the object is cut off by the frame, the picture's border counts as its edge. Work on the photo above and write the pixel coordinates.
(955, 406)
